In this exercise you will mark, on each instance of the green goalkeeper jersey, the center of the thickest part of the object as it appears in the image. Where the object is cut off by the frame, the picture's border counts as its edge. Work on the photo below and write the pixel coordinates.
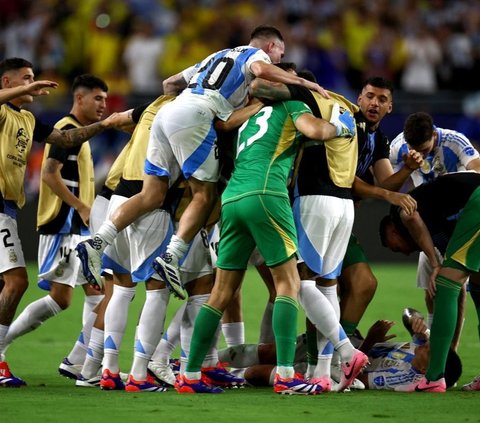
(267, 145)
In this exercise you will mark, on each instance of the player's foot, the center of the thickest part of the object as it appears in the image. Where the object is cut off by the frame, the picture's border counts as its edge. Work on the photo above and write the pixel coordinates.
(170, 274)
(424, 385)
(91, 260)
(343, 122)
(111, 381)
(352, 369)
(324, 382)
(163, 373)
(195, 386)
(7, 379)
(175, 365)
(93, 382)
(70, 370)
(295, 386)
(219, 376)
(147, 385)
(474, 385)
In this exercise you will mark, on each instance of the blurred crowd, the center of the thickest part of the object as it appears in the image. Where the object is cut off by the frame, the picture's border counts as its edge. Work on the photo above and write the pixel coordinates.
(423, 46)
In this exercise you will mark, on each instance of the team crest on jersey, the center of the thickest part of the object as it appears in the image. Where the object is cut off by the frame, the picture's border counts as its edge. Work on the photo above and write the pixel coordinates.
(59, 272)
(438, 167)
(22, 140)
(12, 256)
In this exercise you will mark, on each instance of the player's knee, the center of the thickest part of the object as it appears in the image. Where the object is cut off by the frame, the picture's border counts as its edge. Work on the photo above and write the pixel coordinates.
(366, 288)
(15, 286)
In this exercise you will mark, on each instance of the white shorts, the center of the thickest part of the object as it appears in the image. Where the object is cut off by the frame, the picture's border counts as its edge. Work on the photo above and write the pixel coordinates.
(58, 261)
(183, 139)
(424, 269)
(324, 224)
(11, 253)
(135, 248)
(197, 262)
(256, 259)
(98, 213)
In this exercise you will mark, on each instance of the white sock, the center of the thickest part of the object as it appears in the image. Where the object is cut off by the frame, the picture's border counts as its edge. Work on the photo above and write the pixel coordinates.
(234, 333)
(324, 358)
(266, 329)
(32, 317)
(116, 316)
(105, 236)
(193, 305)
(285, 372)
(150, 328)
(170, 339)
(330, 293)
(3, 346)
(239, 356)
(177, 248)
(429, 320)
(94, 357)
(79, 350)
(89, 304)
(321, 313)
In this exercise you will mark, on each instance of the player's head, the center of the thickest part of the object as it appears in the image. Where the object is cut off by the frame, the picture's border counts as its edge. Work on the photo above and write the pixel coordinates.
(396, 238)
(376, 99)
(420, 133)
(15, 72)
(287, 66)
(89, 96)
(270, 40)
(308, 75)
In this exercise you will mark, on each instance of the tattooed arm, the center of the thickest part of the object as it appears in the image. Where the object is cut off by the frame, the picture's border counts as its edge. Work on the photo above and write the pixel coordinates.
(274, 91)
(76, 136)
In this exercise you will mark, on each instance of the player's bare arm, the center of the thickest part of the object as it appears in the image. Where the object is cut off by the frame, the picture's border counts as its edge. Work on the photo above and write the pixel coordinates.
(174, 84)
(364, 190)
(474, 165)
(76, 136)
(238, 117)
(36, 88)
(315, 128)
(275, 74)
(268, 90)
(52, 177)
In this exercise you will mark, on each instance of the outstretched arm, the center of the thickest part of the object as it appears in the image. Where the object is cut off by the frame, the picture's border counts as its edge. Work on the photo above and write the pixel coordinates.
(34, 89)
(73, 137)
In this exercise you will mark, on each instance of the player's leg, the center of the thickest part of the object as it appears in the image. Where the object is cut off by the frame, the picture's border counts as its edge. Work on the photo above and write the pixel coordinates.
(357, 288)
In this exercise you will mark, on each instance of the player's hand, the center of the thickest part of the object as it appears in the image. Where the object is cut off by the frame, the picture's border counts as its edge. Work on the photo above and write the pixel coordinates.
(405, 201)
(116, 120)
(412, 160)
(432, 287)
(378, 331)
(37, 88)
(419, 327)
(84, 212)
(315, 87)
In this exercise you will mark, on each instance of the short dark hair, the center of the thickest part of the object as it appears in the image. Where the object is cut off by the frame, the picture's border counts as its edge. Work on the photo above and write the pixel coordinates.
(265, 31)
(418, 128)
(286, 66)
(308, 75)
(89, 81)
(386, 221)
(13, 63)
(379, 82)
(453, 368)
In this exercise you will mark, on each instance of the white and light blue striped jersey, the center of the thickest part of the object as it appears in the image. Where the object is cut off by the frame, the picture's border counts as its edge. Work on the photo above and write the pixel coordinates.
(224, 77)
(391, 365)
(452, 153)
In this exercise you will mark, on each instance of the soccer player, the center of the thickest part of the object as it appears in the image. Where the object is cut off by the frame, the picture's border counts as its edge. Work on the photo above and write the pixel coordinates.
(67, 190)
(392, 365)
(183, 141)
(446, 218)
(444, 151)
(18, 129)
(256, 212)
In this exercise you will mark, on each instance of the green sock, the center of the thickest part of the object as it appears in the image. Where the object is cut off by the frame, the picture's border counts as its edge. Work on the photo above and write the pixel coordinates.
(284, 322)
(443, 325)
(206, 325)
(312, 350)
(349, 327)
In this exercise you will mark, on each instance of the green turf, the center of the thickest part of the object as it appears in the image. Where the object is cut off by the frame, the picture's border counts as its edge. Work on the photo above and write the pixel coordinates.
(51, 398)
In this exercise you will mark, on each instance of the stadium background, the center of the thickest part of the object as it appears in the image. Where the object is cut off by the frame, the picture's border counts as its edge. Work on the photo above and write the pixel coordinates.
(430, 49)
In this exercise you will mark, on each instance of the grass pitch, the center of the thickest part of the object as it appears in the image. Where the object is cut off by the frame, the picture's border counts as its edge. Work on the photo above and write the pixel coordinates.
(52, 398)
